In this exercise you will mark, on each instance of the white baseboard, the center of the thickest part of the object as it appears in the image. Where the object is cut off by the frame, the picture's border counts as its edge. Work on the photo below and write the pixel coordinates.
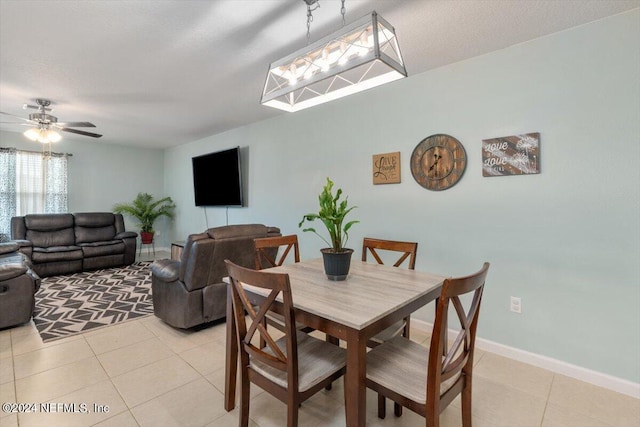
(554, 365)
(151, 249)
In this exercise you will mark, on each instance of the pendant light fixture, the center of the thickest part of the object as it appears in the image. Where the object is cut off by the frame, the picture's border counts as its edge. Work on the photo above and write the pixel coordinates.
(359, 56)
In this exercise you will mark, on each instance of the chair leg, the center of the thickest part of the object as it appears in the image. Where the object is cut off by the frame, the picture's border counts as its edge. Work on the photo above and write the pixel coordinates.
(334, 341)
(382, 406)
(397, 409)
(407, 328)
(292, 413)
(244, 398)
(465, 399)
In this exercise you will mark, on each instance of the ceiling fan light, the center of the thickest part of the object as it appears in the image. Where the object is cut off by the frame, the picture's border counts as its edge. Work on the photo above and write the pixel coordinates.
(33, 134)
(42, 135)
(52, 136)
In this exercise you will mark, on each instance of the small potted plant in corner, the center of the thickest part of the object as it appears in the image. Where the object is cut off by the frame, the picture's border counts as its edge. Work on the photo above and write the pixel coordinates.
(337, 258)
(146, 210)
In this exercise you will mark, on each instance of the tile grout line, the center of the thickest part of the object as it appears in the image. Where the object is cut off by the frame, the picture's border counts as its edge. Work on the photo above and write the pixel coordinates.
(48, 369)
(112, 384)
(13, 366)
(546, 403)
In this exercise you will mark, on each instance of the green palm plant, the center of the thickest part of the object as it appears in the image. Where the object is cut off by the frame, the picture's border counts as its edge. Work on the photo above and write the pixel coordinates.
(332, 214)
(146, 210)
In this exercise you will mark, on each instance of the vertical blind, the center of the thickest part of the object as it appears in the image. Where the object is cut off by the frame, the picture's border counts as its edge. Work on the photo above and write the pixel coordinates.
(30, 182)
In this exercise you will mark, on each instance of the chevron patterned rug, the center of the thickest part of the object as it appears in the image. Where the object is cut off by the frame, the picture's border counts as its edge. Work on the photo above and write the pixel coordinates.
(81, 302)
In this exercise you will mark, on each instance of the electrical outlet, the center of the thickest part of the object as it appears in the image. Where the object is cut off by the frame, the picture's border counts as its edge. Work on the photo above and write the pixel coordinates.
(516, 305)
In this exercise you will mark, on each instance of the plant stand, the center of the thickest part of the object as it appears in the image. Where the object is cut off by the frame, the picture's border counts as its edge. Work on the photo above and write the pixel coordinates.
(153, 247)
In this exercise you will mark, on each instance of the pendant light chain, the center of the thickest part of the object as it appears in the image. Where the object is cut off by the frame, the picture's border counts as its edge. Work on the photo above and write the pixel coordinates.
(316, 4)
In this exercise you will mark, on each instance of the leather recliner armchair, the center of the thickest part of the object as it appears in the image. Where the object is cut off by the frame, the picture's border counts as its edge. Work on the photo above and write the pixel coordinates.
(191, 292)
(18, 285)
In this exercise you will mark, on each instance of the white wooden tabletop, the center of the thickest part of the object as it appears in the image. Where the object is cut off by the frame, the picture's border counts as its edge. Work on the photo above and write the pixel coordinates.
(370, 292)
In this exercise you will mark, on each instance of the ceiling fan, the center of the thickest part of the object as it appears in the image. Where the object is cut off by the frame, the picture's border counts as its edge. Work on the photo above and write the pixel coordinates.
(44, 125)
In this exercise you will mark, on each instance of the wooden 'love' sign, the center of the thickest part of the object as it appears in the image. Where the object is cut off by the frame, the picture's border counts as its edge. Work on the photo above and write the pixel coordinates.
(511, 155)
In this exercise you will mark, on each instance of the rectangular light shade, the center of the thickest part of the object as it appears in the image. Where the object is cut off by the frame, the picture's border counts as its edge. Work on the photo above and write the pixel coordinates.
(347, 61)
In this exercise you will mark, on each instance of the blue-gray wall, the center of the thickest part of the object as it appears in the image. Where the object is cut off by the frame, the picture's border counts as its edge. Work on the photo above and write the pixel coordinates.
(567, 241)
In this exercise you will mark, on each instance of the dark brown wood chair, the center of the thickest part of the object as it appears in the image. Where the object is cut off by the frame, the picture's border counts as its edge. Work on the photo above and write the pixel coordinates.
(421, 378)
(292, 368)
(267, 249)
(268, 255)
(408, 251)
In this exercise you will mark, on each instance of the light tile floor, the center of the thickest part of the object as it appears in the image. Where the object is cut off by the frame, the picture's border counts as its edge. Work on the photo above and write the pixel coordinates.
(146, 373)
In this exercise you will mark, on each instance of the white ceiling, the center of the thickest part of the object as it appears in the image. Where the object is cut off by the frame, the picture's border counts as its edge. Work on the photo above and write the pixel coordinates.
(164, 73)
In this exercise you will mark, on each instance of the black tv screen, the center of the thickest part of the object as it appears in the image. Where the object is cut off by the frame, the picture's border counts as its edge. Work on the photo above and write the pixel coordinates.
(217, 178)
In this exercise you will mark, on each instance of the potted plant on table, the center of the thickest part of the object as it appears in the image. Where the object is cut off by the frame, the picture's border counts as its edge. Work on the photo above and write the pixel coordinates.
(146, 210)
(337, 258)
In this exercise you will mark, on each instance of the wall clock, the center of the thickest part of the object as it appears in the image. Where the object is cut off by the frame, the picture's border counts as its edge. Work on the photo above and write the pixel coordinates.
(438, 162)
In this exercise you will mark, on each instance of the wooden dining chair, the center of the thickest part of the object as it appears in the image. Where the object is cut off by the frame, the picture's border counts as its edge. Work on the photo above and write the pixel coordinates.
(268, 254)
(268, 248)
(408, 251)
(292, 368)
(422, 379)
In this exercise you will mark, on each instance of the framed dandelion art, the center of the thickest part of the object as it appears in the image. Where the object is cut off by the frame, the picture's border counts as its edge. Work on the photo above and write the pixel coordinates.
(511, 155)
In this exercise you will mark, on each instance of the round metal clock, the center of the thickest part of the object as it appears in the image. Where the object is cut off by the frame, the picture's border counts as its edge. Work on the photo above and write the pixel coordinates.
(438, 162)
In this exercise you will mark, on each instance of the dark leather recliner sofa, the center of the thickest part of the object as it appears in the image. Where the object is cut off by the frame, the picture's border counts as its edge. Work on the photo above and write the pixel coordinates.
(70, 243)
(18, 285)
(191, 292)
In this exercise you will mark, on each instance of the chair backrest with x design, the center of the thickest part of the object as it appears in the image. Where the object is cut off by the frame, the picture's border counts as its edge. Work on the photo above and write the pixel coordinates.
(266, 251)
(257, 309)
(458, 359)
(408, 250)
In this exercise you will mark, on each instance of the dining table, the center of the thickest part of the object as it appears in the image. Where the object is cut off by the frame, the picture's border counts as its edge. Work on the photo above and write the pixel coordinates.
(371, 298)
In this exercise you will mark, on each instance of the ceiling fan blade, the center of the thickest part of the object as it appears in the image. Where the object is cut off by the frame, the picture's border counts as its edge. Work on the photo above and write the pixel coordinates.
(76, 124)
(19, 124)
(17, 117)
(81, 132)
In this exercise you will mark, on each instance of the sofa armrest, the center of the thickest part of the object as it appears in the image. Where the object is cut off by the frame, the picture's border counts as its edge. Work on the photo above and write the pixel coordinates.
(25, 247)
(10, 270)
(167, 270)
(8, 247)
(126, 235)
(23, 243)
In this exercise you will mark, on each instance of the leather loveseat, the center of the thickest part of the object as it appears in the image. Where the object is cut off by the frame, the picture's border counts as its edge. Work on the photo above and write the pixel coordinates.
(190, 292)
(18, 285)
(70, 243)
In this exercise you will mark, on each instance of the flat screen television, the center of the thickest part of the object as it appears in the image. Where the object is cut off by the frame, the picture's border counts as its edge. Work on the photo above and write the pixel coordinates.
(217, 178)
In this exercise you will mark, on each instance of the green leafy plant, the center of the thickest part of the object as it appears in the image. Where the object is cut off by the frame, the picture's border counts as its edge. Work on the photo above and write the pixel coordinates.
(146, 210)
(332, 213)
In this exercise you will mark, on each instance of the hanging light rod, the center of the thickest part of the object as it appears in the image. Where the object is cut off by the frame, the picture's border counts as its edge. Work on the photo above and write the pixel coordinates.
(359, 56)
